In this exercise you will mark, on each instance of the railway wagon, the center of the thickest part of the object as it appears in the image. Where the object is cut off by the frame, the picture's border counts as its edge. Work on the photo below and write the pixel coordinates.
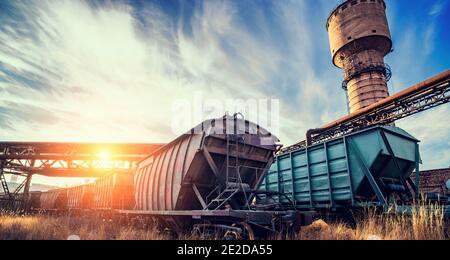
(114, 191)
(210, 172)
(20, 203)
(80, 197)
(7, 203)
(370, 167)
(34, 200)
(166, 179)
(53, 200)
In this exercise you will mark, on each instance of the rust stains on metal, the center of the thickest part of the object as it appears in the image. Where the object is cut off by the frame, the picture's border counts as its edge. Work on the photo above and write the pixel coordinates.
(359, 39)
(164, 181)
(418, 91)
(114, 191)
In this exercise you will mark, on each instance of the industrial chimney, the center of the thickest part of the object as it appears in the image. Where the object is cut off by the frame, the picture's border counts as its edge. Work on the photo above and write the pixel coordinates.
(359, 39)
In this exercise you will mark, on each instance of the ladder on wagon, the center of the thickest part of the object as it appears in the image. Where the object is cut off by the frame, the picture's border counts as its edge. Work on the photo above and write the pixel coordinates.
(233, 182)
(232, 160)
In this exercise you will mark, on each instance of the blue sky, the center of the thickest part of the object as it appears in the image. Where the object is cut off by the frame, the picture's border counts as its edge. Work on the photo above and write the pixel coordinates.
(108, 71)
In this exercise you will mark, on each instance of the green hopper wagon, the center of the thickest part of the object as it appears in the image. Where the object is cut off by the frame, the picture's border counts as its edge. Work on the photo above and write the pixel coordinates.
(372, 167)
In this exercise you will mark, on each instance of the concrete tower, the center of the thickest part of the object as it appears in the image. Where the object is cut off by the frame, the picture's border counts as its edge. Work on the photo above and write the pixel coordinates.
(359, 39)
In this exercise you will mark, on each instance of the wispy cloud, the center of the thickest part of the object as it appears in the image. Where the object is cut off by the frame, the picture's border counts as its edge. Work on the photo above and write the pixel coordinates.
(415, 51)
(432, 129)
(112, 75)
(78, 71)
(435, 11)
(437, 8)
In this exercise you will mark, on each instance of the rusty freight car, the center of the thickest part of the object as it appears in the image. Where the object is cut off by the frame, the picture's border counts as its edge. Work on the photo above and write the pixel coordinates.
(209, 176)
(114, 191)
(54, 200)
(80, 197)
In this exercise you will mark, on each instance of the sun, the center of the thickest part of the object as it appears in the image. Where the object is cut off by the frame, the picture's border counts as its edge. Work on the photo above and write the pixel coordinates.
(104, 156)
(104, 159)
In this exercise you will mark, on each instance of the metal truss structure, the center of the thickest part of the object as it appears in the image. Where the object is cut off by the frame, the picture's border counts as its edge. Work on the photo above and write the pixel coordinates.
(65, 160)
(423, 96)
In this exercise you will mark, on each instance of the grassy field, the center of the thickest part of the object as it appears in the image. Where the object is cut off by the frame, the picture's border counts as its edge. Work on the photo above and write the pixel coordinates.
(424, 224)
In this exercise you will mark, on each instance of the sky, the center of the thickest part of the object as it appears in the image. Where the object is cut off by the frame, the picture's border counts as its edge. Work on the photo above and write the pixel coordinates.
(131, 71)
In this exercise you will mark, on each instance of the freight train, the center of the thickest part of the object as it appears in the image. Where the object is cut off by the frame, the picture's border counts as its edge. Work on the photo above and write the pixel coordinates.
(228, 174)
(206, 179)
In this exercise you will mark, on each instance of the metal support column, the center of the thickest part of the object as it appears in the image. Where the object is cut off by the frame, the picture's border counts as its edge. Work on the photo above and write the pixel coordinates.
(417, 172)
(3, 181)
(26, 193)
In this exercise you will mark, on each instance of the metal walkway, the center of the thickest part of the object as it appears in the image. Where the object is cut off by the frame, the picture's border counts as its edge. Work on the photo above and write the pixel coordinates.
(64, 160)
(418, 98)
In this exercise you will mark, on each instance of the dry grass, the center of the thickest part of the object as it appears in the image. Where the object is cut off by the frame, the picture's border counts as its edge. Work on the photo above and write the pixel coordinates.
(426, 223)
(40, 227)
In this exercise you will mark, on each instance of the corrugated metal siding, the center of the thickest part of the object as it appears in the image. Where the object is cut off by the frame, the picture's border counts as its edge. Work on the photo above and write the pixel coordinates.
(54, 199)
(330, 175)
(80, 197)
(159, 177)
(114, 191)
(74, 197)
(35, 199)
(164, 180)
(312, 171)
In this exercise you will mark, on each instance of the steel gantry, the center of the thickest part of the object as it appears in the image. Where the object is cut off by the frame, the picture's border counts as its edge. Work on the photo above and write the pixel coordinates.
(418, 98)
(63, 160)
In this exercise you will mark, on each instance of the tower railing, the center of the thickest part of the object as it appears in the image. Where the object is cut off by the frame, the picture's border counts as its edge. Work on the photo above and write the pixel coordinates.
(357, 70)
